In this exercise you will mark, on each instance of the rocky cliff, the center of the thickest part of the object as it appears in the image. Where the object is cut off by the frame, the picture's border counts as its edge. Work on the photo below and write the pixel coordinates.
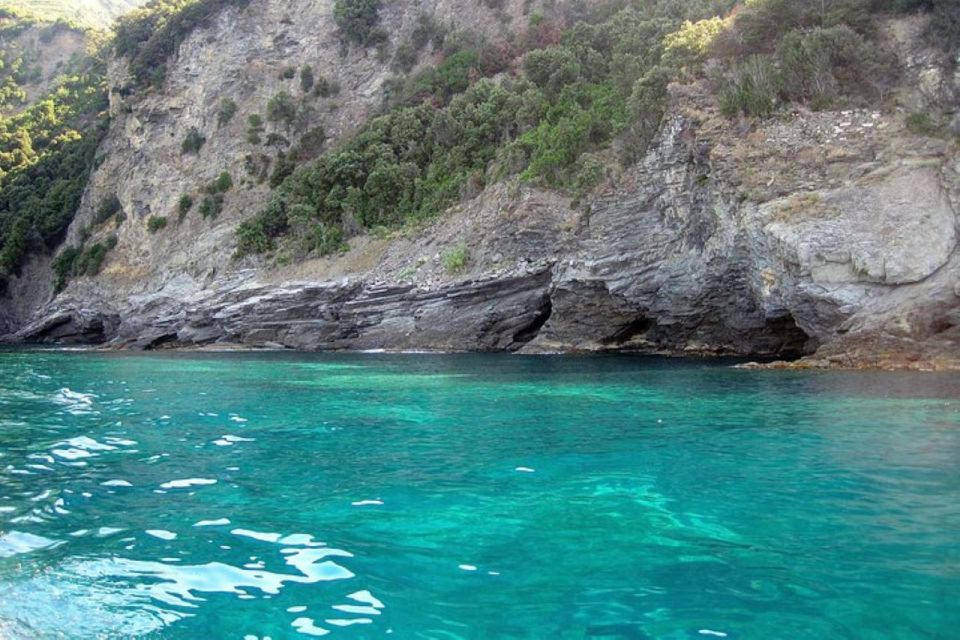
(830, 234)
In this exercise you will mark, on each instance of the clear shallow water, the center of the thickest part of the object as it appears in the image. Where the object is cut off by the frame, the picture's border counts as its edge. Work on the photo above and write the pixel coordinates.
(442, 497)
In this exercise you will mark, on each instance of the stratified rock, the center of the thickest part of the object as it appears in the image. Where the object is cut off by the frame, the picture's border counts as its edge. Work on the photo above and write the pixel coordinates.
(830, 234)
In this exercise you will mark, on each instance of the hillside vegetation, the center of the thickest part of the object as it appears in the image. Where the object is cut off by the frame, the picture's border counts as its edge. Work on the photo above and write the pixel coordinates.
(149, 36)
(93, 14)
(557, 101)
(46, 148)
(553, 102)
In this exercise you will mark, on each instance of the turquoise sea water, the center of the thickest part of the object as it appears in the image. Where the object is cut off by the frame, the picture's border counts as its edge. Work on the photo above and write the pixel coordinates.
(442, 497)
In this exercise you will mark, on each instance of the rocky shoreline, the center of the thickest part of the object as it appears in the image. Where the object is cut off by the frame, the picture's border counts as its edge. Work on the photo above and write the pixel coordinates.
(669, 259)
(825, 239)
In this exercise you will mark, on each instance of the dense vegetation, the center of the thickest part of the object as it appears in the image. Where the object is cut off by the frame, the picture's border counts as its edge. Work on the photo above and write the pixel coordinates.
(358, 21)
(452, 128)
(577, 88)
(46, 155)
(555, 103)
(153, 33)
(20, 62)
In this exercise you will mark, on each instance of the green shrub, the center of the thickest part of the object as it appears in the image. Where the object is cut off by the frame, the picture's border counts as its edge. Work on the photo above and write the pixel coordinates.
(306, 79)
(590, 171)
(310, 145)
(107, 208)
(326, 88)
(282, 168)
(90, 261)
(254, 128)
(358, 20)
(156, 223)
(184, 206)
(760, 25)
(455, 258)
(257, 166)
(685, 49)
(922, 124)
(405, 58)
(277, 140)
(749, 88)
(288, 73)
(212, 205)
(63, 267)
(257, 234)
(193, 141)
(427, 31)
(222, 184)
(228, 108)
(553, 68)
(820, 65)
(457, 71)
(282, 108)
(646, 106)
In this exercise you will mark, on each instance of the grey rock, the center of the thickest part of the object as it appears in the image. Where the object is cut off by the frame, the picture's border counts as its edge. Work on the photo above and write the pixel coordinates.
(831, 235)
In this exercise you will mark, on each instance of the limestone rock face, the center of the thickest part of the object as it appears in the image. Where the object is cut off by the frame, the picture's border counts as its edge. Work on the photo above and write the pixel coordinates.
(831, 235)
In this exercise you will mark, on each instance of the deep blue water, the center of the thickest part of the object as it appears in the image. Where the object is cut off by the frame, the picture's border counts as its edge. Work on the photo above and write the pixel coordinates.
(442, 497)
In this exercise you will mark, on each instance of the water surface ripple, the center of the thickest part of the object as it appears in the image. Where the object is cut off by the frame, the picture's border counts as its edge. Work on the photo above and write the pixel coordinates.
(276, 496)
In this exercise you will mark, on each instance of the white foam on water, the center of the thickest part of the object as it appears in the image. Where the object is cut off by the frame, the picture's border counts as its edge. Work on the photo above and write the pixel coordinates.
(337, 622)
(228, 440)
(116, 483)
(71, 454)
(366, 597)
(219, 522)
(187, 482)
(257, 535)
(163, 534)
(84, 442)
(366, 503)
(357, 609)
(307, 627)
(525, 470)
(467, 567)
(66, 396)
(14, 543)
(300, 539)
(711, 632)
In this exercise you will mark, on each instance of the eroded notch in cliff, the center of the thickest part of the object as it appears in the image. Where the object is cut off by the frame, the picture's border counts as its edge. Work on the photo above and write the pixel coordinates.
(627, 333)
(532, 330)
(785, 339)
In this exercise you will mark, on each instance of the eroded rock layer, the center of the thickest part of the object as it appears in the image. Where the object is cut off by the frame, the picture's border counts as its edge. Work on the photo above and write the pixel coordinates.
(831, 235)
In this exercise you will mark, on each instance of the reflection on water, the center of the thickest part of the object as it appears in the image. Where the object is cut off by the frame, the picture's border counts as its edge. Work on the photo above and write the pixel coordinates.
(252, 496)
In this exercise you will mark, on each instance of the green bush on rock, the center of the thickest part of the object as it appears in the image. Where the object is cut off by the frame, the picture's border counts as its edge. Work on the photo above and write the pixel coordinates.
(156, 223)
